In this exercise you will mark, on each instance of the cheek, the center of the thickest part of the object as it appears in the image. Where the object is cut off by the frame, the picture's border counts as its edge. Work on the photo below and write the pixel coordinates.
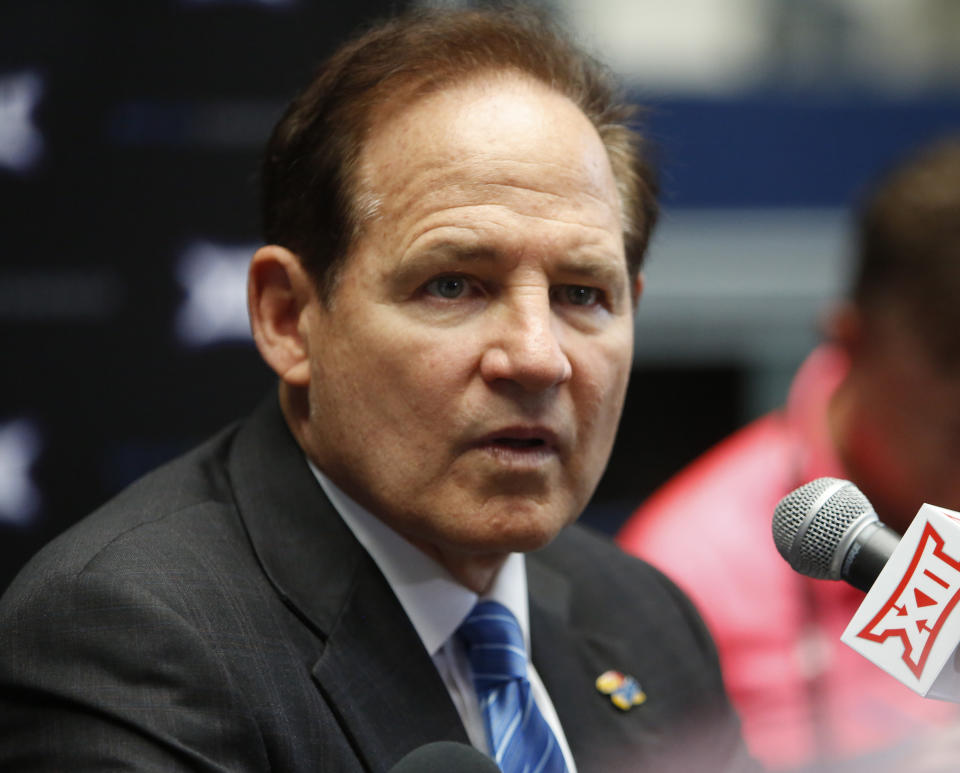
(878, 449)
(606, 369)
(428, 377)
(936, 466)
(600, 390)
(410, 382)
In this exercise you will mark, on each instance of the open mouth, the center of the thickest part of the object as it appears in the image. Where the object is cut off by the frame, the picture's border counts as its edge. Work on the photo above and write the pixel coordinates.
(520, 443)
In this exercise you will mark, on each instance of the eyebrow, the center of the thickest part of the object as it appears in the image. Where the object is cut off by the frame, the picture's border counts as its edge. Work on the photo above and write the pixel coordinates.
(451, 250)
(444, 252)
(596, 268)
(587, 267)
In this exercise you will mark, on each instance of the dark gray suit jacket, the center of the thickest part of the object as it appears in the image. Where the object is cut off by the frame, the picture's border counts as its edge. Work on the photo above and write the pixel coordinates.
(219, 616)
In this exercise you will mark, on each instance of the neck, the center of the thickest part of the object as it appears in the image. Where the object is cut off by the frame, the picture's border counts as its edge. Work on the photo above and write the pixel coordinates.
(475, 572)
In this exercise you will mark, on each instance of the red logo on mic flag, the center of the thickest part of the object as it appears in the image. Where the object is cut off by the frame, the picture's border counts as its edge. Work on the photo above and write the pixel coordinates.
(921, 603)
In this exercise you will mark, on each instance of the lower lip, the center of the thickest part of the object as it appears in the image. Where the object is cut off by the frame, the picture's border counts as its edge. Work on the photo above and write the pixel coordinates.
(519, 456)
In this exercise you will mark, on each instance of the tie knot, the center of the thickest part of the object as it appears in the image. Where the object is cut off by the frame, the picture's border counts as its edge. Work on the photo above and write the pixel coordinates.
(494, 644)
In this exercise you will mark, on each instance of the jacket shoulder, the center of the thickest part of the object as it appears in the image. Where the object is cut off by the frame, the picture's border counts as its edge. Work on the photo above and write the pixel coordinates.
(191, 492)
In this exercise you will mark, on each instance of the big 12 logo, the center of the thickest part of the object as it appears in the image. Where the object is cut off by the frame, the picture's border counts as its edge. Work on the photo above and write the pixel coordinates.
(923, 600)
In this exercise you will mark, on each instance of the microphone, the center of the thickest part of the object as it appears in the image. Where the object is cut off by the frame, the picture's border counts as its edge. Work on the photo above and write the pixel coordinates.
(828, 530)
(443, 757)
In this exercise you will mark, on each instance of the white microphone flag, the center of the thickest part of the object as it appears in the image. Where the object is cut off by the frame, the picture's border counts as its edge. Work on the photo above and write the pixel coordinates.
(909, 621)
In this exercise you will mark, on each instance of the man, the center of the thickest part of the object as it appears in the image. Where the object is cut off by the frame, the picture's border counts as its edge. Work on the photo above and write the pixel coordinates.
(455, 218)
(878, 404)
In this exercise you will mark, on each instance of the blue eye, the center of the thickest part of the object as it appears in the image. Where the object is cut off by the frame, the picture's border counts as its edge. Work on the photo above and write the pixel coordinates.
(447, 286)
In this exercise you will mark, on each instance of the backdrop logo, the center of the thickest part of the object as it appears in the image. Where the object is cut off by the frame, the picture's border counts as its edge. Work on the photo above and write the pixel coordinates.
(920, 604)
(19, 448)
(214, 279)
(21, 144)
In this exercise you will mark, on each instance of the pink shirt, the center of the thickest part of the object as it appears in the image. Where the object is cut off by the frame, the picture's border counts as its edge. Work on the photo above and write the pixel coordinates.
(801, 693)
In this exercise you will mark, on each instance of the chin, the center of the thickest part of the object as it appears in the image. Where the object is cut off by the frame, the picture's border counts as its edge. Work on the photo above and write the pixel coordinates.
(497, 525)
(513, 537)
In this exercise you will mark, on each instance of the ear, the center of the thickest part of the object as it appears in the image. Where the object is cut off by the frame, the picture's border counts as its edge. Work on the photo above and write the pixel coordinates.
(280, 295)
(636, 289)
(844, 326)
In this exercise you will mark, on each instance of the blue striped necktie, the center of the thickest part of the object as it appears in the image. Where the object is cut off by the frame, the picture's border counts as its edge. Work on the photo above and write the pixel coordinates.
(519, 736)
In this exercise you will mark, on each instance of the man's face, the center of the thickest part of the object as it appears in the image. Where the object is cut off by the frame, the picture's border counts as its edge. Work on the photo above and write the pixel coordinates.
(904, 439)
(468, 375)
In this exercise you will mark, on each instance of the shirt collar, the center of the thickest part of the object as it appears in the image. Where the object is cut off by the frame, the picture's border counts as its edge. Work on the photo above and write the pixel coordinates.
(434, 601)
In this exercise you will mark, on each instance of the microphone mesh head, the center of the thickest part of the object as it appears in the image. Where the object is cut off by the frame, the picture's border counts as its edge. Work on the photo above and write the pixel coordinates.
(809, 532)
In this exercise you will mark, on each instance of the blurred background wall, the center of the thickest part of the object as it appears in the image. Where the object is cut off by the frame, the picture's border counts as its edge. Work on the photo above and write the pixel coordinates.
(130, 132)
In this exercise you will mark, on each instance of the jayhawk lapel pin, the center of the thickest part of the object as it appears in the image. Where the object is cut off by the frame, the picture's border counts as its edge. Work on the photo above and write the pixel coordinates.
(623, 689)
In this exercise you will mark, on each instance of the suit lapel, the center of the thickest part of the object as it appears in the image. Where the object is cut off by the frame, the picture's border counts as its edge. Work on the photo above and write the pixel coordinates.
(304, 548)
(368, 652)
(569, 660)
(381, 680)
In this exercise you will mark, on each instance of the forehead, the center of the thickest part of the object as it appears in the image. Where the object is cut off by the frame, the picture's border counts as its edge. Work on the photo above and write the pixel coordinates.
(499, 137)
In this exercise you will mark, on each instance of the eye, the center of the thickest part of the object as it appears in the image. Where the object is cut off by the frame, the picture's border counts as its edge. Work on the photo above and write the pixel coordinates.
(579, 295)
(447, 286)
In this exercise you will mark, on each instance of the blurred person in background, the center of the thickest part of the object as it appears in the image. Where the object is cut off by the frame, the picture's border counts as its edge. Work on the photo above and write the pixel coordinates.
(877, 403)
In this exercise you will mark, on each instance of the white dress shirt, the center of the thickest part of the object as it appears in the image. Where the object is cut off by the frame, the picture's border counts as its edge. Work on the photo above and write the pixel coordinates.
(437, 604)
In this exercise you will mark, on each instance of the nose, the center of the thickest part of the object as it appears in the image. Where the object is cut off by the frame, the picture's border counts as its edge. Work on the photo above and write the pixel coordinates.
(525, 348)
